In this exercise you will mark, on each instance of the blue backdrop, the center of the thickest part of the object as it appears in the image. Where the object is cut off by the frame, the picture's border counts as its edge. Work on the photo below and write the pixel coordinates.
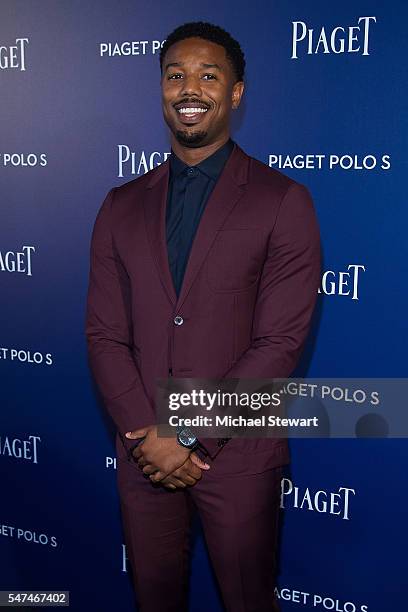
(80, 113)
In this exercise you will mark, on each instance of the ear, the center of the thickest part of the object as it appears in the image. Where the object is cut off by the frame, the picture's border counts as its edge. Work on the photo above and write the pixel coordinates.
(237, 91)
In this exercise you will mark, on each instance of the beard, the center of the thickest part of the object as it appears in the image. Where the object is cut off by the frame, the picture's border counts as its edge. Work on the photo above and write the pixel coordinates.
(191, 139)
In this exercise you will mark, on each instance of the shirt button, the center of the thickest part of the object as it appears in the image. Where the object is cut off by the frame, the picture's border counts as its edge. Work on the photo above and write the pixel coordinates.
(191, 171)
(178, 320)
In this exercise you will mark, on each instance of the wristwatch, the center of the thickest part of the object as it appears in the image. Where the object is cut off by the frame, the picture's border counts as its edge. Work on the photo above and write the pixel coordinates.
(186, 438)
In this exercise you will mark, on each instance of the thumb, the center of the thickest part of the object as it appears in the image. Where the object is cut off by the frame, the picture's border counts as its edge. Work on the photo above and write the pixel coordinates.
(199, 462)
(137, 433)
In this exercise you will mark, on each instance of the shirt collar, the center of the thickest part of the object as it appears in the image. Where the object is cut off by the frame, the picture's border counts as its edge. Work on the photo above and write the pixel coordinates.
(211, 166)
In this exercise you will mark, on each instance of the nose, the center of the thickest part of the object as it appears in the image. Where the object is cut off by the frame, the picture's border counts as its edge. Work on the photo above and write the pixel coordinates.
(191, 86)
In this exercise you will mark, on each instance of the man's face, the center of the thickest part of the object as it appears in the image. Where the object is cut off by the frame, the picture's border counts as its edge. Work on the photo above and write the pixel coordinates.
(198, 92)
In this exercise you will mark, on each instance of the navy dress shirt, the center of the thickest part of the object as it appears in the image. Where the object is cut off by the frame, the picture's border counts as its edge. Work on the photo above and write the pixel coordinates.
(188, 193)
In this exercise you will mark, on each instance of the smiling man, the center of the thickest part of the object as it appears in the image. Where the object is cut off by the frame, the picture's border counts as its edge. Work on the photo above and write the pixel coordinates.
(206, 267)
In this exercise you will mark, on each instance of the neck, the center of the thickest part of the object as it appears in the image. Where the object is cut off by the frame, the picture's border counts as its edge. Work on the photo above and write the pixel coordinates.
(194, 155)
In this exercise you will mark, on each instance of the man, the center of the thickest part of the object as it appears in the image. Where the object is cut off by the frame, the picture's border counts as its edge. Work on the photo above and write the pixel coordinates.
(206, 267)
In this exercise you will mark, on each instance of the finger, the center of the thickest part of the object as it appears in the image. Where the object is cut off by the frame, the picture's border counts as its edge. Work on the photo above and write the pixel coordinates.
(137, 452)
(191, 469)
(186, 476)
(199, 462)
(137, 433)
(138, 443)
(157, 476)
(174, 482)
(188, 480)
(149, 469)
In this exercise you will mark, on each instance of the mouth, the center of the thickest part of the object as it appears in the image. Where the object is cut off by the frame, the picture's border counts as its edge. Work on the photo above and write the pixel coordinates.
(189, 113)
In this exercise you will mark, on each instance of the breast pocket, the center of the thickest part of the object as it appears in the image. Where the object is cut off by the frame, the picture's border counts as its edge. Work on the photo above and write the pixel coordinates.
(235, 259)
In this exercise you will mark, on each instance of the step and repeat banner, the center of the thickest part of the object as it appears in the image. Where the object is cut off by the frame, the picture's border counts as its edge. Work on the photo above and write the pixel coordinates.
(80, 113)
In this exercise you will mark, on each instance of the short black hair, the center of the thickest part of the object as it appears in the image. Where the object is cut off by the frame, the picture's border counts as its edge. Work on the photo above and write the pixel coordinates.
(213, 33)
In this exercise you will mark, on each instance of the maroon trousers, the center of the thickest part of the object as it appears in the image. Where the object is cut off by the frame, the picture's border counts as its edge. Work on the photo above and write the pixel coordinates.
(239, 514)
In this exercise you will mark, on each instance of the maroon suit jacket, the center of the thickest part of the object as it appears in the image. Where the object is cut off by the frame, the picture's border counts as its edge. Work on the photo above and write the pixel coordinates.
(246, 301)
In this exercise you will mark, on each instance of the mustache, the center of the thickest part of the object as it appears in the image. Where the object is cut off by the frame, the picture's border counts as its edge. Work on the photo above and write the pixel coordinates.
(192, 101)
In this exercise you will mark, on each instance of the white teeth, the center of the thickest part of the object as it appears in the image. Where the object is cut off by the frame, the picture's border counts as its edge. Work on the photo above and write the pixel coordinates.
(191, 111)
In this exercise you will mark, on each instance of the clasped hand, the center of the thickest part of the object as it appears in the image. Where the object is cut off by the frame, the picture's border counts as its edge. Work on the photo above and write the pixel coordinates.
(165, 460)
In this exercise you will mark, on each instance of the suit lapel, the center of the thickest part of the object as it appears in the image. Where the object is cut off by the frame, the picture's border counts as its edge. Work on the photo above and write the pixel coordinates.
(225, 195)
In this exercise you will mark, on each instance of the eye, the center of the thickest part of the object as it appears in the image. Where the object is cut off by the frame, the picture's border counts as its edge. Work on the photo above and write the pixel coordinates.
(175, 75)
(210, 75)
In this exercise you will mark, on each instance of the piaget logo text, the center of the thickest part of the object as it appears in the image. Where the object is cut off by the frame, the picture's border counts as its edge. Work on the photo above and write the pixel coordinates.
(342, 283)
(341, 39)
(13, 56)
(17, 261)
(132, 162)
(336, 503)
(130, 47)
(19, 448)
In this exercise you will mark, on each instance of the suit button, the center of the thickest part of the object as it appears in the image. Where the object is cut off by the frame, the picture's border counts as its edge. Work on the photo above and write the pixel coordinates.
(178, 320)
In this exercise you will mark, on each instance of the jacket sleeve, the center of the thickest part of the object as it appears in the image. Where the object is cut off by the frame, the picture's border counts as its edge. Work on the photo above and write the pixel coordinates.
(286, 297)
(109, 332)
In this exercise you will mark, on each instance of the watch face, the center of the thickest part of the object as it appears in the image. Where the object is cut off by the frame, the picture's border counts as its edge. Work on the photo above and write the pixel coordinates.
(186, 437)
